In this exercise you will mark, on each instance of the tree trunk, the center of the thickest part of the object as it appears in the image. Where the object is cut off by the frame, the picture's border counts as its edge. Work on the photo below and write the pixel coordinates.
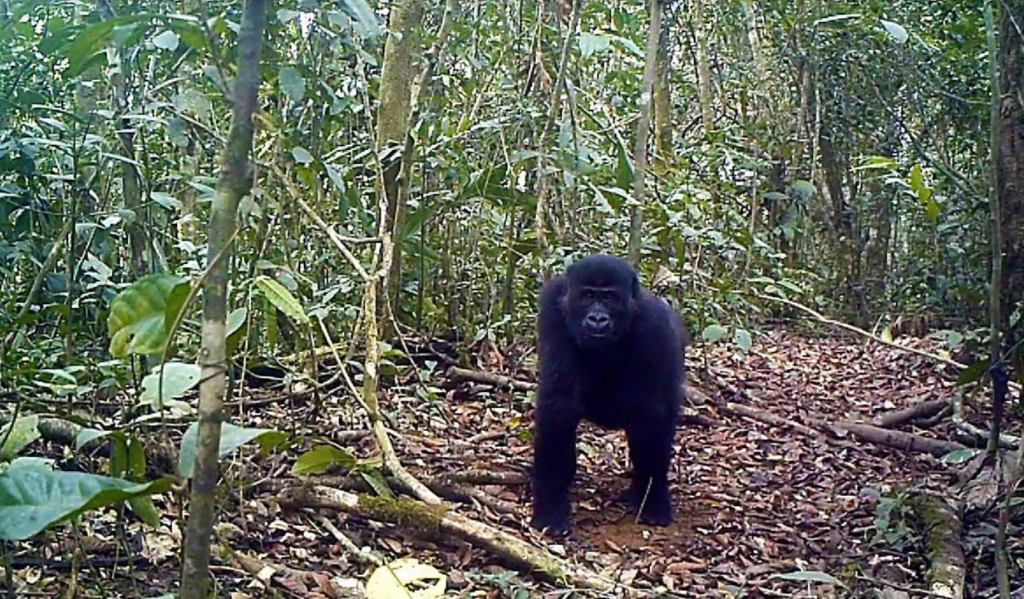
(642, 130)
(703, 67)
(131, 184)
(398, 73)
(663, 100)
(235, 182)
(1010, 152)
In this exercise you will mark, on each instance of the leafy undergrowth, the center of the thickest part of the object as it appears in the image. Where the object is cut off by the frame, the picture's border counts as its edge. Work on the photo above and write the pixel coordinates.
(753, 501)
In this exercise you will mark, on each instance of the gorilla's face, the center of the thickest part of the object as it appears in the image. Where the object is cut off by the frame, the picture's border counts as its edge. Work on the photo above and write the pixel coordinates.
(600, 301)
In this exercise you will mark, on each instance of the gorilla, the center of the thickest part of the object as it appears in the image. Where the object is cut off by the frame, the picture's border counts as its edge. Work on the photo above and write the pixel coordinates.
(612, 354)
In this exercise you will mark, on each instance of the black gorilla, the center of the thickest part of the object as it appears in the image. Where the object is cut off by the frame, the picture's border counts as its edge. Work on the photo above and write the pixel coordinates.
(613, 354)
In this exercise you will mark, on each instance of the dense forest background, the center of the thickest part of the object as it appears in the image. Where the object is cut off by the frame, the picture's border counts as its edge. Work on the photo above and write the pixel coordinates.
(325, 224)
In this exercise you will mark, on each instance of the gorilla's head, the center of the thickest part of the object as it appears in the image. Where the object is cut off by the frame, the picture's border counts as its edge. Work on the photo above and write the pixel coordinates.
(600, 301)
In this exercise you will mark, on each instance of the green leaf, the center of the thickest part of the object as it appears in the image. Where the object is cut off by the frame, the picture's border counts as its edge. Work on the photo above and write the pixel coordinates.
(375, 479)
(810, 576)
(591, 44)
(178, 379)
(193, 102)
(319, 459)
(960, 456)
(624, 169)
(284, 15)
(364, 20)
(236, 319)
(895, 31)
(23, 432)
(80, 51)
(916, 178)
(136, 323)
(142, 506)
(714, 333)
(231, 438)
(166, 200)
(743, 339)
(302, 155)
(803, 189)
(292, 84)
(282, 299)
(86, 436)
(33, 499)
(168, 40)
(972, 373)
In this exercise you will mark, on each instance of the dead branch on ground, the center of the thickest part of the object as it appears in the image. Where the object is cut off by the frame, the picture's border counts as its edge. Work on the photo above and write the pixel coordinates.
(942, 528)
(488, 378)
(421, 518)
(919, 411)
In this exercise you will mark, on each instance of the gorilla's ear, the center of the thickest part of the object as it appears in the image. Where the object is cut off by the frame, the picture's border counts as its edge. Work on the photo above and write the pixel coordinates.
(636, 286)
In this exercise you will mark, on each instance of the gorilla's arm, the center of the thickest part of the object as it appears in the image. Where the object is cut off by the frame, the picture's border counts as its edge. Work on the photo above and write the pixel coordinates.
(558, 414)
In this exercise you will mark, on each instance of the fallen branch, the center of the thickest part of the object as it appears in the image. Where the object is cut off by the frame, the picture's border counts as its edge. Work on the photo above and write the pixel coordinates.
(922, 410)
(425, 519)
(941, 527)
(489, 378)
(864, 432)
(897, 439)
(1006, 441)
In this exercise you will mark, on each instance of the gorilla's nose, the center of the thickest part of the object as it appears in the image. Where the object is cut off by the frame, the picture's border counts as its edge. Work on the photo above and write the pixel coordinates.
(598, 323)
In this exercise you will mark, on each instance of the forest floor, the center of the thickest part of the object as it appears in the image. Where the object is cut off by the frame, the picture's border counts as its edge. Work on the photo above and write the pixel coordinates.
(753, 501)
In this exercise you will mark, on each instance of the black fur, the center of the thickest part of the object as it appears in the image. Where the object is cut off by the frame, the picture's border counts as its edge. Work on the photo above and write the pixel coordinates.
(622, 369)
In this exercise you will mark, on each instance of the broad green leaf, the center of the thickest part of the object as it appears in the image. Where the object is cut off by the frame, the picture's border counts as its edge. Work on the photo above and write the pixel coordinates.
(803, 189)
(810, 576)
(142, 506)
(168, 40)
(302, 155)
(193, 102)
(45, 464)
(282, 299)
(33, 499)
(178, 379)
(81, 51)
(375, 479)
(743, 339)
(364, 20)
(284, 15)
(960, 456)
(629, 46)
(916, 178)
(591, 44)
(319, 459)
(714, 333)
(86, 436)
(895, 31)
(972, 373)
(166, 200)
(236, 319)
(231, 438)
(22, 433)
(624, 169)
(293, 84)
(136, 323)
(954, 339)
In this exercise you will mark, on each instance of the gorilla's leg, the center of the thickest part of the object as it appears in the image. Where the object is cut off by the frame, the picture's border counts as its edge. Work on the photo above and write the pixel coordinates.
(554, 467)
(650, 451)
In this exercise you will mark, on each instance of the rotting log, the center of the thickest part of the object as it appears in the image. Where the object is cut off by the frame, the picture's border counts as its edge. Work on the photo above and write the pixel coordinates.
(420, 518)
(941, 528)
